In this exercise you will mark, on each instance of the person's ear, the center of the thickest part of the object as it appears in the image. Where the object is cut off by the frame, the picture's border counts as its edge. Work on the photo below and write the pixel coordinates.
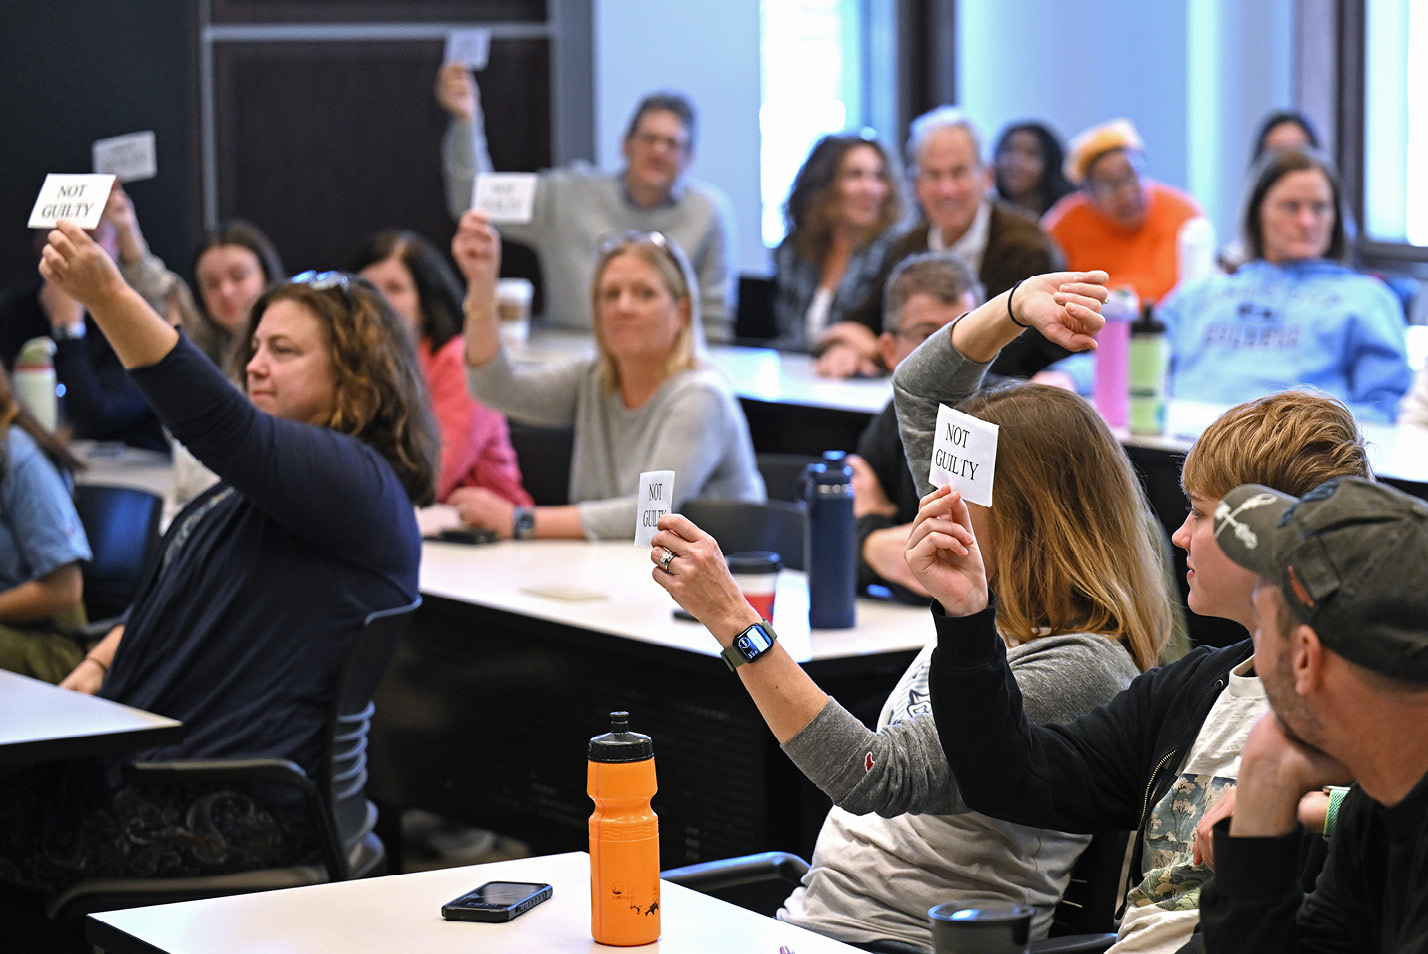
(887, 349)
(1306, 658)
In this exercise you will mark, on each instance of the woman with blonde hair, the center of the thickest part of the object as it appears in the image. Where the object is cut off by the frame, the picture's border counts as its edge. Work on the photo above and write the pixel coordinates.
(1081, 606)
(645, 402)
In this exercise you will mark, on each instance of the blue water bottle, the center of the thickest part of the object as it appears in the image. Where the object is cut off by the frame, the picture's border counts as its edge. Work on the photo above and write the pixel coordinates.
(831, 543)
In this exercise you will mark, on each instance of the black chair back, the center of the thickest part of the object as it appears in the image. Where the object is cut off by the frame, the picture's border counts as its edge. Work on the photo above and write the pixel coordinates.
(349, 718)
(122, 524)
(754, 319)
(544, 456)
(783, 473)
(738, 526)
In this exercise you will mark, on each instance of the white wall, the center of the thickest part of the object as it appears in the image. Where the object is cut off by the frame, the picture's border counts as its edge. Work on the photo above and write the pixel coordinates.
(1194, 75)
(708, 50)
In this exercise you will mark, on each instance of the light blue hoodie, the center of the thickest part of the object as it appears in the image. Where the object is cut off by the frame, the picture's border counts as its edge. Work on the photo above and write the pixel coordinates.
(1269, 327)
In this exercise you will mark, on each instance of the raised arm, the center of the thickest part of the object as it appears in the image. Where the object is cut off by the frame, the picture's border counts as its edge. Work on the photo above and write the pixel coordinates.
(464, 154)
(80, 268)
(1064, 306)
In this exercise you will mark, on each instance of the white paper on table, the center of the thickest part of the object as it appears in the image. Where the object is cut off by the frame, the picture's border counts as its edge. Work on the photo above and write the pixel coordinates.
(656, 495)
(505, 196)
(78, 197)
(131, 158)
(964, 454)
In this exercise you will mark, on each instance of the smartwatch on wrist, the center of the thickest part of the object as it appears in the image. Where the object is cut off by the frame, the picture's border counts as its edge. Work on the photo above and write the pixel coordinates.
(750, 644)
(523, 524)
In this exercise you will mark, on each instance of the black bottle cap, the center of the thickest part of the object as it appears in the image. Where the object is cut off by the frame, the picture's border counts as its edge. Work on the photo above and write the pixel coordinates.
(1147, 323)
(619, 744)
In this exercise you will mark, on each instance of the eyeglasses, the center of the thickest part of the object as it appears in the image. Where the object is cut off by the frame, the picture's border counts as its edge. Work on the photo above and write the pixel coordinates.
(919, 332)
(325, 281)
(614, 240)
(649, 139)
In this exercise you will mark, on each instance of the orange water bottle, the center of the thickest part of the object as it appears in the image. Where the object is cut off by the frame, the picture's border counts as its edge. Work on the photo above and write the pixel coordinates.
(624, 837)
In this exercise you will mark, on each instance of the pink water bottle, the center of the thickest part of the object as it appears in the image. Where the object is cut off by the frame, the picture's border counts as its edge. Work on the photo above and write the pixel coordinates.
(1112, 389)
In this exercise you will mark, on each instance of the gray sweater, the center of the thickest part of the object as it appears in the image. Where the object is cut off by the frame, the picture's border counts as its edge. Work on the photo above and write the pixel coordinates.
(693, 426)
(577, 205)
(875, 875)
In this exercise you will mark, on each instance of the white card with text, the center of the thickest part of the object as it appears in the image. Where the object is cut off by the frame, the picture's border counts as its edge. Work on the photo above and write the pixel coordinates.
(655, 497)
(131, 158)
(79, 198)
(964, 454)
(471, 47)
(505, 196)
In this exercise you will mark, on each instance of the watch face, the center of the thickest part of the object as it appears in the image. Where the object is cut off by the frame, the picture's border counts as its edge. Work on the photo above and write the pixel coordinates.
(752, 643)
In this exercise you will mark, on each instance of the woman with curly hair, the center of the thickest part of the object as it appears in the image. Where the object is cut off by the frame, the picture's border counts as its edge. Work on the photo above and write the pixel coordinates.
(262, 583)
(841, 215)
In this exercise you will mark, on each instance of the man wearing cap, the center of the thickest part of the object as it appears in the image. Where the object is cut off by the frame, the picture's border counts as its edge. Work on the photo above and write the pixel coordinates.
(1120, 221)
(1341, 644)
(999, 243)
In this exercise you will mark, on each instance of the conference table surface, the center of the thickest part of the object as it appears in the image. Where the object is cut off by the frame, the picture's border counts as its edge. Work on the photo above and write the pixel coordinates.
(40, 722)
(403, 913)
(607, 587)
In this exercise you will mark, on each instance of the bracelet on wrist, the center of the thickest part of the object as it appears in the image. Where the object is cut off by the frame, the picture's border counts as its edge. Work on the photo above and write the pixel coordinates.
(94, 659)
(476, 313)
(1011, 317)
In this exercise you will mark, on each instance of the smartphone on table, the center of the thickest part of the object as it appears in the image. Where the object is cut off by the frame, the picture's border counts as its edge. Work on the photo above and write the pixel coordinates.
(496, 901)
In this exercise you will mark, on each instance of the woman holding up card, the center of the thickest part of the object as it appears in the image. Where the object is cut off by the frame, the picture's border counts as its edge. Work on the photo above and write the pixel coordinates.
(261, 584)
(1080, 604)
(645, 402)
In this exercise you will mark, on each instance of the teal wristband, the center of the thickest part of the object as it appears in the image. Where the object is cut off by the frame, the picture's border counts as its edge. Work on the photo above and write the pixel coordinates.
(1336, 794)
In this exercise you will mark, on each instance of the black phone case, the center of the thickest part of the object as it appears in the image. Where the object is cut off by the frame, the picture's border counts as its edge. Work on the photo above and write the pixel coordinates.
(468, 907)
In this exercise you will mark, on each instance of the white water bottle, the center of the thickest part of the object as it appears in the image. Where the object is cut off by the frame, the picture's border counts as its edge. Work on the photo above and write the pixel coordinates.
(34, 378)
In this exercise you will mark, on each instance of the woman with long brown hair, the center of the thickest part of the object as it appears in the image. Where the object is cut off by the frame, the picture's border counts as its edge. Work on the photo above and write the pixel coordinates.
(1081, 606)
(841, 215)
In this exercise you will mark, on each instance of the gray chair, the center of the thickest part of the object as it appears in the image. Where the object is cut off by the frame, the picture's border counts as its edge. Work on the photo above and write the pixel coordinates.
(336, 801)
(738, 526)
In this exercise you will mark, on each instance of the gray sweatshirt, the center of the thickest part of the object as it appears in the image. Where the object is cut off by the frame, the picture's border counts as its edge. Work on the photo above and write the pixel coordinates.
(693, 426)
(875, 875)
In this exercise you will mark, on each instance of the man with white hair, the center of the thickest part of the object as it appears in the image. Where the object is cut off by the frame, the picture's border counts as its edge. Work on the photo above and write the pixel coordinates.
(997, 242)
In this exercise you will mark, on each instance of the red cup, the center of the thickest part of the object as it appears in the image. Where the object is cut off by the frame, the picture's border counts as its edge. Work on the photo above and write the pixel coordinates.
(756, 573)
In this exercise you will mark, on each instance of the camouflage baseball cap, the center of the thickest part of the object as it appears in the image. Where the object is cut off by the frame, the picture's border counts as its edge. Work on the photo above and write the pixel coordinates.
(1351, 557)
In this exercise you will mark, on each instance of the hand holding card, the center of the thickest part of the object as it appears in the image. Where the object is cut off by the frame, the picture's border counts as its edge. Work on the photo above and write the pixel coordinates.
(656, 496)
(78, 198)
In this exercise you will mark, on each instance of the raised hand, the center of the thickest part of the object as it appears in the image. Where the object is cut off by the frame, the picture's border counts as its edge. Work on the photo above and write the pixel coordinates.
(698, 578)
(456, 91)
(77, 266)
(943, 555)
(1064, 306)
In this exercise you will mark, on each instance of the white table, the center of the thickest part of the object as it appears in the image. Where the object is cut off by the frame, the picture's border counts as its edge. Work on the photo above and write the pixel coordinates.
(402, 913)
(624, 601)
(40, 722)
(486, 709)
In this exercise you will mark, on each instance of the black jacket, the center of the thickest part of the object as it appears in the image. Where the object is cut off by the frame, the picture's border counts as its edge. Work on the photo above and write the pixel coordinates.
(1102, 772)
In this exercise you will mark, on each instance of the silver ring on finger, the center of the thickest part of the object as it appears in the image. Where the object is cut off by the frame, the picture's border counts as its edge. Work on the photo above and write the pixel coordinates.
(666, 560)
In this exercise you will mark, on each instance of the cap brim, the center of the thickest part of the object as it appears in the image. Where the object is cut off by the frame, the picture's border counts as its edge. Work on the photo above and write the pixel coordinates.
(1247, 522)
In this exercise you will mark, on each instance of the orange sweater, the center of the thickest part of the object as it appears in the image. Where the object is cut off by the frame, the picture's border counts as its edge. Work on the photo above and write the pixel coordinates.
(1145, 258)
